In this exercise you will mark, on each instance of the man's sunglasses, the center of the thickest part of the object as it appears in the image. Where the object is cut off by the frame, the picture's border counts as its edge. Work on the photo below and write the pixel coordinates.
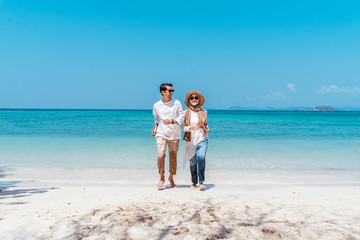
(196, 98)
(170, 91)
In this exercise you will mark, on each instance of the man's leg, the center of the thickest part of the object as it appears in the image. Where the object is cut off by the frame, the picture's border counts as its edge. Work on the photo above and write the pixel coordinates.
(161, 145)
(173, 150)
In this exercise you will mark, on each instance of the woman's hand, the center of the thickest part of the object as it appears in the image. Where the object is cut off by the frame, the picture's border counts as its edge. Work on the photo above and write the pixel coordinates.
(194, 127)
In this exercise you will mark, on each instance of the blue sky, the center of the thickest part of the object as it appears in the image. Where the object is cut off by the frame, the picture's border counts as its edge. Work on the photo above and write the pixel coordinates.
(115, 54)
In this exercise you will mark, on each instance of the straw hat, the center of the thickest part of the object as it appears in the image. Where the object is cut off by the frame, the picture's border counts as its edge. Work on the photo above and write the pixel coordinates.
(187, 96)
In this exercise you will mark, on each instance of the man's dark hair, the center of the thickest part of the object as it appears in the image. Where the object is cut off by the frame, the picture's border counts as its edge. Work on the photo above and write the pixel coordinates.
(164, 85)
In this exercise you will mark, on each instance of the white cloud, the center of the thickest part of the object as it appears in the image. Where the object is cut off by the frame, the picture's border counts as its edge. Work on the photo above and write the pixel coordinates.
(250, 98)
(335, 89)
(291, 87)
(273, 95)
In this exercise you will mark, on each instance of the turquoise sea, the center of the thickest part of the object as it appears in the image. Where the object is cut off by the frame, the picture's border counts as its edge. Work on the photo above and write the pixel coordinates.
(244, 140)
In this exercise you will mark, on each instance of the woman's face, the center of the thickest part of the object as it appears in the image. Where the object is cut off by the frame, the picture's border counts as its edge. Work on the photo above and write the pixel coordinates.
(194, 100)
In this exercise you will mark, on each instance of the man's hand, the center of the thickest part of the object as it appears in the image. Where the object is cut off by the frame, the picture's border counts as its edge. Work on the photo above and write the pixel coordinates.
(167, 121)
(153, 132)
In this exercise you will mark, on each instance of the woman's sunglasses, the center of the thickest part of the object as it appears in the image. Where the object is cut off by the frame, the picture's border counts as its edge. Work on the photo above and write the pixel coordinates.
(196, 98)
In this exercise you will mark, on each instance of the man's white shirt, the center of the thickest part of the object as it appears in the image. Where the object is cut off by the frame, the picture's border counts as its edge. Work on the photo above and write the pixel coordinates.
(169, 110)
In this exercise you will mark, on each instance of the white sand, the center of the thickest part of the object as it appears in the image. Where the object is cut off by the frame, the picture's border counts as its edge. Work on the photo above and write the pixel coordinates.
(119, 204)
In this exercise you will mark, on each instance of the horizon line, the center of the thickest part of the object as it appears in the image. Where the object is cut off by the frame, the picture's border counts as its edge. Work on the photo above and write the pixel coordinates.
(310, 109)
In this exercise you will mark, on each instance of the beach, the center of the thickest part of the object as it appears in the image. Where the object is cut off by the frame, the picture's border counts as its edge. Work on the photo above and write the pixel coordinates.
(92, 174)
(264, 96)
(56, 203)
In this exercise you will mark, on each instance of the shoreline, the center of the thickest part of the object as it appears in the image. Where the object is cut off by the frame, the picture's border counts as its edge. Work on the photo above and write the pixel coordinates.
(148, 176)
(85, 203)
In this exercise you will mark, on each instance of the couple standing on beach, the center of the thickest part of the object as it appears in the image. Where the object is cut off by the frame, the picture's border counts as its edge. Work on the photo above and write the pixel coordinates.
(169, 115)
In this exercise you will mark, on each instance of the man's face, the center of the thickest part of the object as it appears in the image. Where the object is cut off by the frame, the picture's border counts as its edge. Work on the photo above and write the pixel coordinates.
(168, 92)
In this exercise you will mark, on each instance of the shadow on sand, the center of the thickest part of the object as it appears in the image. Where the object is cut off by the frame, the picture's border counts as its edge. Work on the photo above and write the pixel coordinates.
(6, 191)
(177, 221)
(167, 187)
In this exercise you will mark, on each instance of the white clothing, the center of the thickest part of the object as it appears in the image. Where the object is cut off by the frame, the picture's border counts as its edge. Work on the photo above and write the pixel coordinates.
(197, 136)
(169, 110)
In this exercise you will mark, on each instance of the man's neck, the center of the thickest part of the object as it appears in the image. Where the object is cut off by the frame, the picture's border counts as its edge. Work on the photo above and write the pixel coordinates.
(166, 100)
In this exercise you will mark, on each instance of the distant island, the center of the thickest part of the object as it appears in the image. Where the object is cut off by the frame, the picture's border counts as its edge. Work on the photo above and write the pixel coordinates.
(324, 108)
(317, 108)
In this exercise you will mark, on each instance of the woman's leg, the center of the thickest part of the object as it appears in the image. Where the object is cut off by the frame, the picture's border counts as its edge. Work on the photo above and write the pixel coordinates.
(193, 170)
(201, 150)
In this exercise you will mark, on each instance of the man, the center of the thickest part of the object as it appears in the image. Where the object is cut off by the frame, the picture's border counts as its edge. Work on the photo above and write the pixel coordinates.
(169, 115)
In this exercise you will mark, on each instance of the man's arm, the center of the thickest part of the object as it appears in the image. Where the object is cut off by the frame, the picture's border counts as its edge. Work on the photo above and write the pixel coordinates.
(156, 117)
(155, 129)
(170, 121)
(181, 115)
(180, 118)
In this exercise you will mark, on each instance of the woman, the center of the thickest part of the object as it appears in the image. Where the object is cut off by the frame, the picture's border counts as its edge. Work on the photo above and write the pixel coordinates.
(196, 139)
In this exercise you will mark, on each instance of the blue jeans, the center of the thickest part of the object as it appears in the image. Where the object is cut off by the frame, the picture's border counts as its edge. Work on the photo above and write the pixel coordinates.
(197, 163)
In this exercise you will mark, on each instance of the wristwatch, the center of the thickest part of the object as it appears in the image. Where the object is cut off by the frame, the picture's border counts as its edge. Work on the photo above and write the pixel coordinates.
(172, 121)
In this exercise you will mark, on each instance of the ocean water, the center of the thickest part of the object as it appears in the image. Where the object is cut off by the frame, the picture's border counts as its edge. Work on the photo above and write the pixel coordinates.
(244, 140)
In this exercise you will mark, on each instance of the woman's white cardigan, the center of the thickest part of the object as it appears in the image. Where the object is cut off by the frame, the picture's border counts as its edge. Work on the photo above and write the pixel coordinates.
(197, 136)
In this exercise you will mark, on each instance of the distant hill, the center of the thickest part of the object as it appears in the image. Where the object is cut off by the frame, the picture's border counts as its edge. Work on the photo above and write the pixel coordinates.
(324, 108)
(253, 108)
(299, 109)
(271, 108)
(242, 108)
(317, 108)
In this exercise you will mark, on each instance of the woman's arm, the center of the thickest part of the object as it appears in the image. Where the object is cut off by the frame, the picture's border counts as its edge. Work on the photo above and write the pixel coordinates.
(207, 126)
